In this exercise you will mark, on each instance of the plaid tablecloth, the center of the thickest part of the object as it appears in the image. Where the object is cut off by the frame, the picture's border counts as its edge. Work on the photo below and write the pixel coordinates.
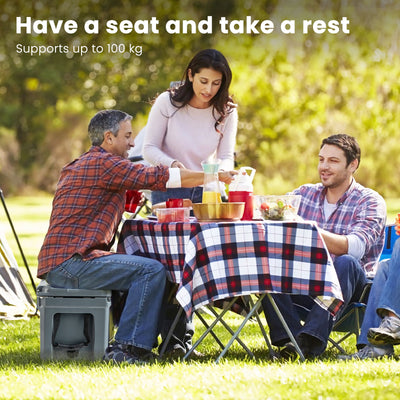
(213, 261)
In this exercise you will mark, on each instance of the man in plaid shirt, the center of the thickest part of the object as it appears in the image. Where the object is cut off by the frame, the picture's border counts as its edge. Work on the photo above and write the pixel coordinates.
(87, 209)
(352, 221)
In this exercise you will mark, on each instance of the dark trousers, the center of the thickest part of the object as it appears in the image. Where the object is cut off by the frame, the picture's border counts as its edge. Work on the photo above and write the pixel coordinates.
(318, 322)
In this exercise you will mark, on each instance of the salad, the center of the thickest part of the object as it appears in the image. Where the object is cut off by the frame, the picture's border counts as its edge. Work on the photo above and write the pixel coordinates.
(279, 208)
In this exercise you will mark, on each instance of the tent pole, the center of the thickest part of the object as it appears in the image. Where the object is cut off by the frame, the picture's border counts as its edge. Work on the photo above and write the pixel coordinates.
(18, 243)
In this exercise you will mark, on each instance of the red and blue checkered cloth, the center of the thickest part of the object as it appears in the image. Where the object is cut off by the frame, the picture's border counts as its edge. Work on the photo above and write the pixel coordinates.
(214, 261)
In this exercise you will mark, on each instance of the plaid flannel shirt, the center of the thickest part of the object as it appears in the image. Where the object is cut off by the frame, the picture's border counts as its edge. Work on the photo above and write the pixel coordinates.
(89, 203)
(360, 211)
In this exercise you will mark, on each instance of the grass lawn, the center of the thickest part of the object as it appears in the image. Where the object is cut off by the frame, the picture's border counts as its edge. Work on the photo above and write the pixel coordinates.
(24, 376)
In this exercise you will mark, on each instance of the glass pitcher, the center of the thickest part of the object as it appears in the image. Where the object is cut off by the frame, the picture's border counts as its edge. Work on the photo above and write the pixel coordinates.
(211, 191)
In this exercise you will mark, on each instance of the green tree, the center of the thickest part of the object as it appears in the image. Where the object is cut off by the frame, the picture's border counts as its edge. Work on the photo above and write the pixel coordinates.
(292, 89)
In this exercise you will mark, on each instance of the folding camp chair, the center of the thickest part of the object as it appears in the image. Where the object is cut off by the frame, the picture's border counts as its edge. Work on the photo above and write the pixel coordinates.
(17, 240)
(390, 238)
(349, 321)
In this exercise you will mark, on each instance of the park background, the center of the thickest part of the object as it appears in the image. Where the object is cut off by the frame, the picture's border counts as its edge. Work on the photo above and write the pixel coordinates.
(292, 90)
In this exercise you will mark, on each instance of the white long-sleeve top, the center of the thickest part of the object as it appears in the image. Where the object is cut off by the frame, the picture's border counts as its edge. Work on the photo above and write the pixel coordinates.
(188, 135)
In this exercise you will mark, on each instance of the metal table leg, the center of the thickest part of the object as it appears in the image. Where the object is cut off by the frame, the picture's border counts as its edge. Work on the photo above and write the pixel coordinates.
(288, 331)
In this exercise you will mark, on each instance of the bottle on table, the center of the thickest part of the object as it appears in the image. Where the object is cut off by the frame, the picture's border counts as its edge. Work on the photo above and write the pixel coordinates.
(241, 190)
(211, 190)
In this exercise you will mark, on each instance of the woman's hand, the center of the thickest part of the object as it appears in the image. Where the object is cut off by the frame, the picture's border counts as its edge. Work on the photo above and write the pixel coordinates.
(226, 176)
(177, 164)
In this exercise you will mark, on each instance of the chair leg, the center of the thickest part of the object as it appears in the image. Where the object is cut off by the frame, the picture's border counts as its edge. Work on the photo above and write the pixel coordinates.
(356, 317)
(337, 345)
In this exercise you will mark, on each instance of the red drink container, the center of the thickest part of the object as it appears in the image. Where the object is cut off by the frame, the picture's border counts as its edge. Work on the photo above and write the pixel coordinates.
(247, 198)
(132, 199)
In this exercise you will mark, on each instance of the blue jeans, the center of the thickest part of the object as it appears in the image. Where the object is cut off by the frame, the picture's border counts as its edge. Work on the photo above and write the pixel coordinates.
(143, 279)
(318, 321)
(384, 295)
(195, 194)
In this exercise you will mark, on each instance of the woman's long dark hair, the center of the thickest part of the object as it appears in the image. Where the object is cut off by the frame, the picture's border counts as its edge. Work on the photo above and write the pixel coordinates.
(209, 58)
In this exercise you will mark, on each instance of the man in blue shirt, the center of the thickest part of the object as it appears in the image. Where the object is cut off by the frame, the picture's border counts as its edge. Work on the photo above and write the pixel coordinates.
(352, 221)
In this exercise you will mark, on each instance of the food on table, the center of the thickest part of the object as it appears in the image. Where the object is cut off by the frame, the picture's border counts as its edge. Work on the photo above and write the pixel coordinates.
(278, 208)
(179, 214)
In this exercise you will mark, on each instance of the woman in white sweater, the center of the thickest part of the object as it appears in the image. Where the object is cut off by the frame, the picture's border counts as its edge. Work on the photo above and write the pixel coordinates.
(193, 121)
